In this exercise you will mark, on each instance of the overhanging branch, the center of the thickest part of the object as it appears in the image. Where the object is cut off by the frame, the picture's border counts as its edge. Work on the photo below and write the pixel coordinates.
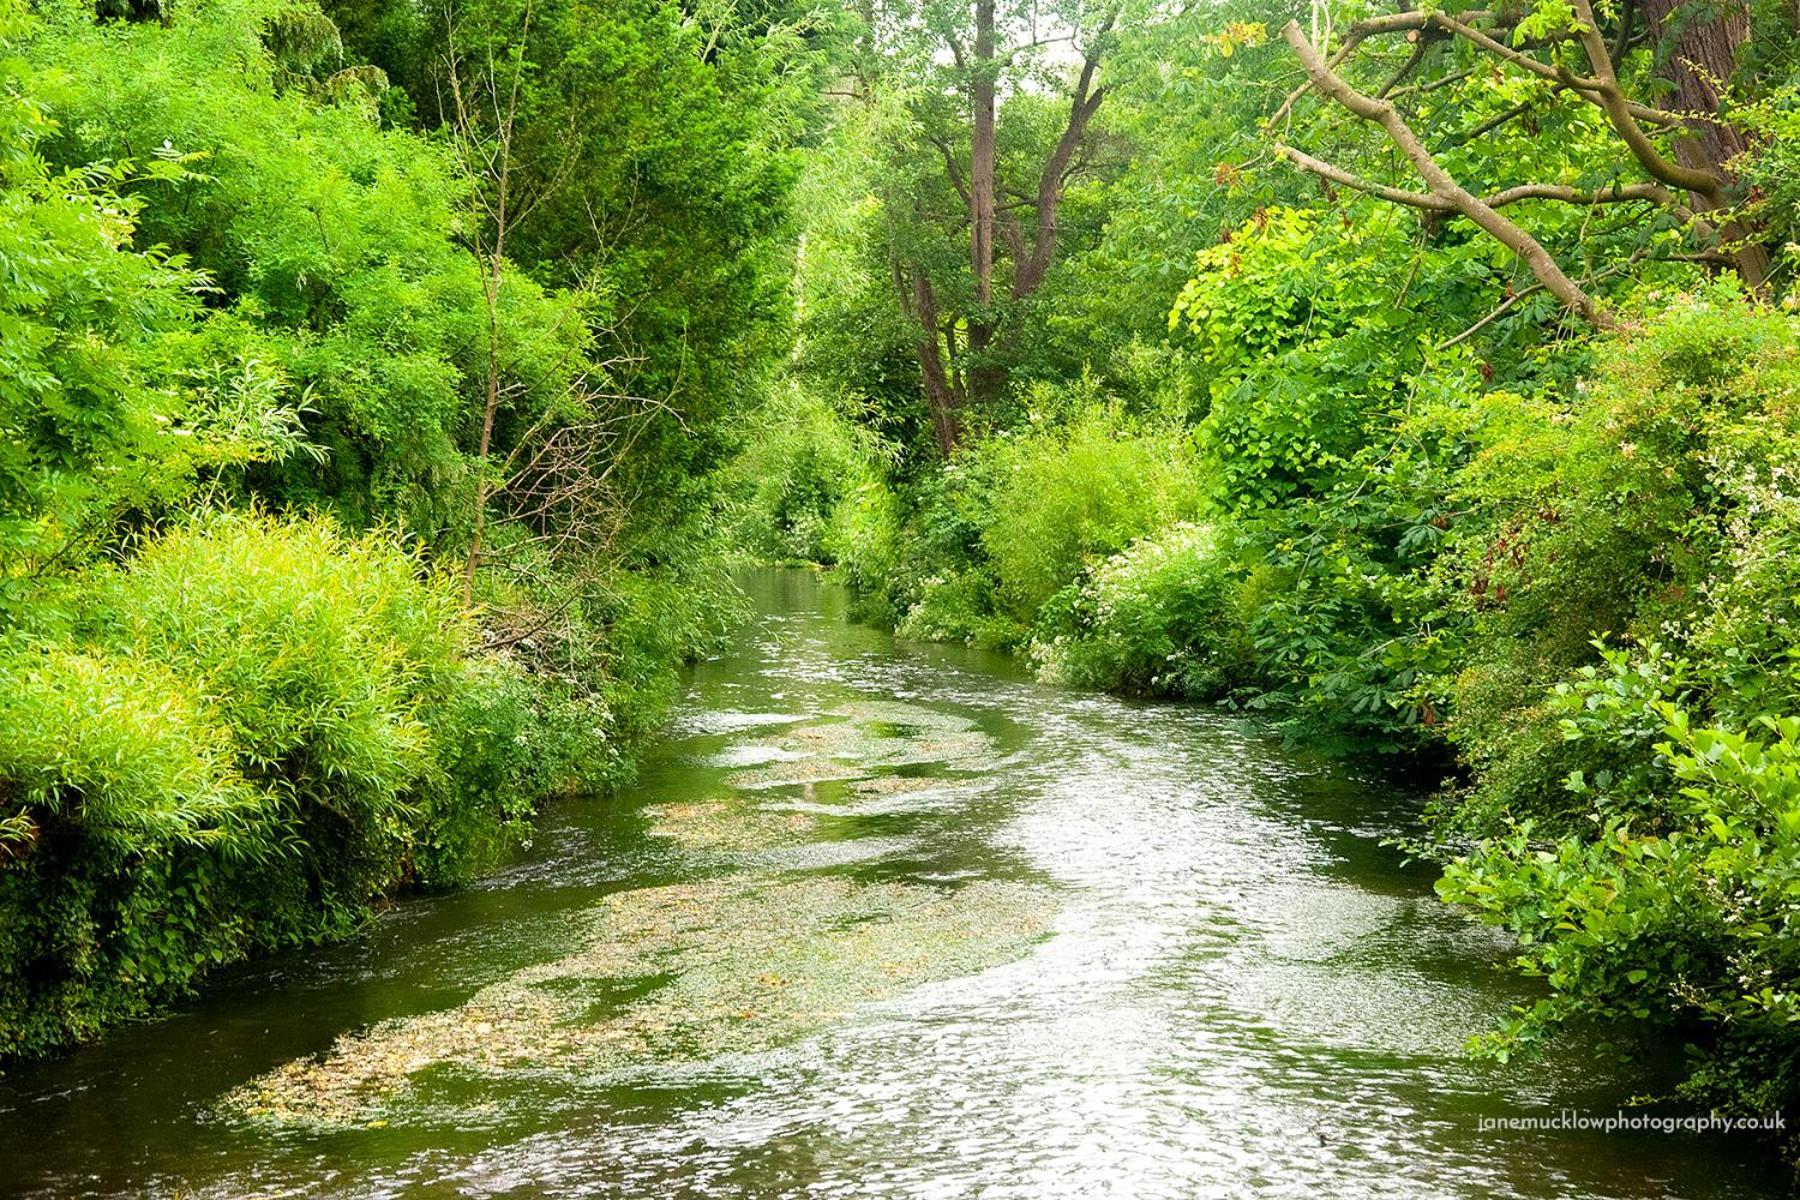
(1442, 188)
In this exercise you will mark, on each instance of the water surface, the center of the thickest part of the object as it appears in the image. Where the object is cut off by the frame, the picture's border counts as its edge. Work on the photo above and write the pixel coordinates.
(881, 920)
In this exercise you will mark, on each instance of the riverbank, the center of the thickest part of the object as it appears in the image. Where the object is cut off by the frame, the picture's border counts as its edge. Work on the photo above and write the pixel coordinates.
(342, 521)
(254, 735)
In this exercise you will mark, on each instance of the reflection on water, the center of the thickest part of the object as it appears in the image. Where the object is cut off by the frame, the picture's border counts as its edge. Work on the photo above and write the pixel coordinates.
(880, 920)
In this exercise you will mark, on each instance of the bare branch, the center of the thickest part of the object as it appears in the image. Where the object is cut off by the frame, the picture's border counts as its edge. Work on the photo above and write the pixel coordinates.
(1493, 316)
(1419, 50)
(1618, 194)
(1488, 126)
(1338, 175)
(1028, 273)
(1439, 181)
(1007, 57)
(1621, 194)
(1622, 39)
(1612, 101)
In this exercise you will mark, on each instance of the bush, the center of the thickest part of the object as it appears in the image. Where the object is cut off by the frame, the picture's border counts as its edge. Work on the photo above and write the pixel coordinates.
(333, 246)
(1635, 804)
(973, 551)
(806, 460)
(1648, 507)
(255, 729)
(1299, 343)
(125, 808)
(960, 607)
(1164, 617)
(1060, 496)
(128, 748)
(1748, 630)
(1689, 928)
(865, 540)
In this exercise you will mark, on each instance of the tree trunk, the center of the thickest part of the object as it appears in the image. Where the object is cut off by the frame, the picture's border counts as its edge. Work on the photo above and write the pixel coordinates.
(983, 382)
(943, 398)
(490, 408)
(1699, 52)
(981, 159)
(494, 279)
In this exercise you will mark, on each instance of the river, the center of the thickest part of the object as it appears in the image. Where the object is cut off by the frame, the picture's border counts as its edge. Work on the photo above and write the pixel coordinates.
(882, 920)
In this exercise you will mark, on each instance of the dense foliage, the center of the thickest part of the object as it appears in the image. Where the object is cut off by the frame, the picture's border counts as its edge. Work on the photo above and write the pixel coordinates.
(1422, 378)
(241, 737)
(344, 516)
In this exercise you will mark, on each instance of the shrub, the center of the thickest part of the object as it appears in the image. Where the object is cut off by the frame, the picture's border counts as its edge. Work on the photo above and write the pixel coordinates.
(1162, 617)
(1639, 807)
(959, 607)
(805, 462)
(126, 748)
(865, 540)
(254, 730)
(1300, 340)
(1748, 630)
(1061, 496)
(124, 809)
(1605, 511)
(1690, 927)
(1648, 507)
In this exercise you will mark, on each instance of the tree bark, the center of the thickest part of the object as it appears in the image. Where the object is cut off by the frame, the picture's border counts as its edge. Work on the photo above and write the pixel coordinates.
(1699, 53)
(1030, 269)
(943, 397)
(981, 158)
(985, 379)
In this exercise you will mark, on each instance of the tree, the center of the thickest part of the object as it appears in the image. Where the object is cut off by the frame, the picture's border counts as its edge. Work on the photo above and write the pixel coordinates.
(1681, 155)
(1007, 205)
(115, 408)
(652, 152)
(549, 474)
(484, 144)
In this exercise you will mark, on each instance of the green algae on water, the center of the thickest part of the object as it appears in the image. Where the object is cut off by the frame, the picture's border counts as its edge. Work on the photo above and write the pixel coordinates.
(701, 971)
(739, 964)
(859, 740)
(728, 825)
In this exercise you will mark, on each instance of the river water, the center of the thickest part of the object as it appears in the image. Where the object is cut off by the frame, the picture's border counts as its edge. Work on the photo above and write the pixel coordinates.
(882, 920)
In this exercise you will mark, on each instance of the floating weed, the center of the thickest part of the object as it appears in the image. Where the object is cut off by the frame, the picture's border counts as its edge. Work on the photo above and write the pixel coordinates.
(848, 852)
(753, 754)
(807, 770)
(702, 972)
(864, 738)
(728, 825)
(899, 712)
(741, 965)
(892, 785)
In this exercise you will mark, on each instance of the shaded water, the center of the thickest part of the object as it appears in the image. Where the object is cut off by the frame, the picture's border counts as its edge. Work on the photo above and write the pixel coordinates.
(880, 920)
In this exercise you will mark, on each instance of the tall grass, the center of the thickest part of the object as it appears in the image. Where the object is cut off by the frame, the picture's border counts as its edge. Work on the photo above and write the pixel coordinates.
(245, 737)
